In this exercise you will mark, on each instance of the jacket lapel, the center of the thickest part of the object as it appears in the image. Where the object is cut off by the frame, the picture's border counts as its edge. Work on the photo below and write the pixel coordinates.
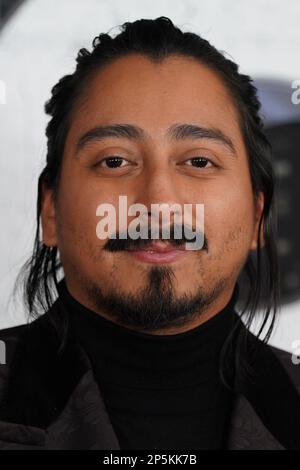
(84, 423)
(56, 398)
(267, 413)
(52, 392)
(246, 431)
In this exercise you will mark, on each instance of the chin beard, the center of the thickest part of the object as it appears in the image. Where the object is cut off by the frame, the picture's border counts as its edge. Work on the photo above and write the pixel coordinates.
(155, 307)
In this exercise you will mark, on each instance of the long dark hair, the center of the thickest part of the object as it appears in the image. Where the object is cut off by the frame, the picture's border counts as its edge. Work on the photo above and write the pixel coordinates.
(158, 39)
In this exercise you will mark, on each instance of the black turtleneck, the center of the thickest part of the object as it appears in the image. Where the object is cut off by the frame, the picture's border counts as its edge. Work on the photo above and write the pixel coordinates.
(161, 391)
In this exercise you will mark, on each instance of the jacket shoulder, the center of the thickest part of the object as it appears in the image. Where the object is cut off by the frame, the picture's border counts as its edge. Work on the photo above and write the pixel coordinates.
(9, 339)
(274, 362)
(291, 367)
(12, 333)
(36, 334)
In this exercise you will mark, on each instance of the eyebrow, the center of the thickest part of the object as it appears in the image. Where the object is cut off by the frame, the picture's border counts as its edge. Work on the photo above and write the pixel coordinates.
(176, 132)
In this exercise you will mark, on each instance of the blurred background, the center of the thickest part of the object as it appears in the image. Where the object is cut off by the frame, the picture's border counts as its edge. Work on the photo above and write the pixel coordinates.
(39, 40)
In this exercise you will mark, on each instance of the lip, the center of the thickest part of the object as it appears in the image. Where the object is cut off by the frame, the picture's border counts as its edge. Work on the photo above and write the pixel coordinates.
(158, 253)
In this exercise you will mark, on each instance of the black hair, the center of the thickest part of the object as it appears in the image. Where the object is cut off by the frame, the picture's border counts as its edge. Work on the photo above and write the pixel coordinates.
(157, 39)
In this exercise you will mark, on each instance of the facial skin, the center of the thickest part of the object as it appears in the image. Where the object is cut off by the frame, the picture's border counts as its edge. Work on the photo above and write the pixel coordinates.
(154, 96)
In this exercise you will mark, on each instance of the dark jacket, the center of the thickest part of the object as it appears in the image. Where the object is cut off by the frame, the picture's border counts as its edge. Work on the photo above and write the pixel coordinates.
(50, 399)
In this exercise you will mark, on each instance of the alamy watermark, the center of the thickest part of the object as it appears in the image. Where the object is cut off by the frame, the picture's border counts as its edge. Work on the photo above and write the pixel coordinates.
(295, 98)
(296, 353)
(190, 217)
(2, 352)
(2, 92)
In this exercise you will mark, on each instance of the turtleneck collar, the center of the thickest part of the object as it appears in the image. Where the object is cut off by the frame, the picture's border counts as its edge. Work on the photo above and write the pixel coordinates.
(121, 355)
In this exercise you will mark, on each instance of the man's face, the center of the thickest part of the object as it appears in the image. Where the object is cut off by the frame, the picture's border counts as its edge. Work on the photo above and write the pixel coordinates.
(154, 169)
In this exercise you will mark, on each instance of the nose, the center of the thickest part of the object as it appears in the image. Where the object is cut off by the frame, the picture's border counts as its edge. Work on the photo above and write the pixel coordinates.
(160, 190)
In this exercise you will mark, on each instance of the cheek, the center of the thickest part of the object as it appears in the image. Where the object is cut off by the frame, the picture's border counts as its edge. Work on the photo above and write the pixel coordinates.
(229, 220)
(76, 218)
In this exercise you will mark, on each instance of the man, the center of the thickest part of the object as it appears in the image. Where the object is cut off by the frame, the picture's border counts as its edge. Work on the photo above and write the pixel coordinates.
(140, 346)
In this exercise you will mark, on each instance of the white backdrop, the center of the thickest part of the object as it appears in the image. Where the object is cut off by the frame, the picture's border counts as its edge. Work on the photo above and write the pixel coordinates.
(39, 45)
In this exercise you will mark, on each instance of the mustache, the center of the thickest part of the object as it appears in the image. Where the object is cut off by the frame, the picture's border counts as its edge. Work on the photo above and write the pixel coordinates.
(122, 242)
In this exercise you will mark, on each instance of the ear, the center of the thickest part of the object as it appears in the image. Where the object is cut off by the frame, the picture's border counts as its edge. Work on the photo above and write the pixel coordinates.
(48, 216)
(259, 206)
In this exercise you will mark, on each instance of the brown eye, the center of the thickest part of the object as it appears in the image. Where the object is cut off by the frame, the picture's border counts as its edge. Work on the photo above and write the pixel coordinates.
(200, 162)
(111, 162)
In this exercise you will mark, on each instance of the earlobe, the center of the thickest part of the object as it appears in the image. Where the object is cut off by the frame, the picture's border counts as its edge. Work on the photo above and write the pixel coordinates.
(48, 217)
(259, 207)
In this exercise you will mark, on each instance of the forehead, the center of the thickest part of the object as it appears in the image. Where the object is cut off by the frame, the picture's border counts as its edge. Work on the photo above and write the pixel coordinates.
(155, 95)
